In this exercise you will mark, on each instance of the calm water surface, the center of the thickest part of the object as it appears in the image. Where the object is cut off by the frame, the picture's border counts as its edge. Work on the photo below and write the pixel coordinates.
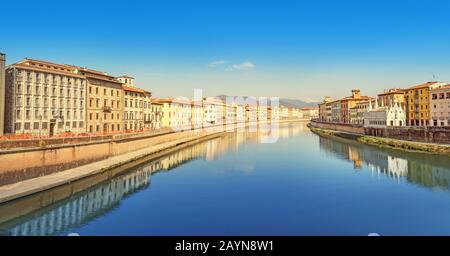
(303, 184)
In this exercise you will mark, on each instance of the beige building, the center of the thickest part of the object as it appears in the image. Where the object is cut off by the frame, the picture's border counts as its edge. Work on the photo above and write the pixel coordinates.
(310, 112)
(440, 106)
(197, 113)
(361, 107)
(44, 98)
(136, 106)
(156, 114)
(104, 101)
(176, 113)
(2, 92)
(391, 97)
(325, 110)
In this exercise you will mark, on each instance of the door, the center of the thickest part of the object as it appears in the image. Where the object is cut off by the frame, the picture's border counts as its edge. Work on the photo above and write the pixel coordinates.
(52, 129)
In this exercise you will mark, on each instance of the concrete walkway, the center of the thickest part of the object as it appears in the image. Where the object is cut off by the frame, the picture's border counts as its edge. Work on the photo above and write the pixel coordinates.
(32, 186)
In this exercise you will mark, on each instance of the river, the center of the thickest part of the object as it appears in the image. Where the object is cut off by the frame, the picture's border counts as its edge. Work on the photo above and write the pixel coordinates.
(302, 184)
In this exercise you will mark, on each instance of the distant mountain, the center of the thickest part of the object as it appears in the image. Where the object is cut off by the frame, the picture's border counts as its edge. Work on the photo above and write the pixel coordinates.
(290, 103)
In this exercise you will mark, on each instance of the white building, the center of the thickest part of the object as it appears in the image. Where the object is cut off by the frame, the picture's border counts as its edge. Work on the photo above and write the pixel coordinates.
(240, 113)
(440, 106)
(44, 98)
(382, 117)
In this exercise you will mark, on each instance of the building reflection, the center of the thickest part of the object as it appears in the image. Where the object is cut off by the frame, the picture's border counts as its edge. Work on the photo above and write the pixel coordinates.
(101, 196)
(423, 169)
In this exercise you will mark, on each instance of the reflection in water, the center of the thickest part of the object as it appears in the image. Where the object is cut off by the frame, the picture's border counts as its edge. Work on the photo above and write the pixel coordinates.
(100, 198)
(427, 170)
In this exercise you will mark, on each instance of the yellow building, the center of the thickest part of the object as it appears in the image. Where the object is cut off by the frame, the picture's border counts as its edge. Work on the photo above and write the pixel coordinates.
(417, 99)
(104, 101)
(176, 113)
(156, 114)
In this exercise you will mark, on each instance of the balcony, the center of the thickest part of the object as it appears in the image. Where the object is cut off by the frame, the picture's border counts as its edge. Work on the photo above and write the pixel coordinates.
(107, 109)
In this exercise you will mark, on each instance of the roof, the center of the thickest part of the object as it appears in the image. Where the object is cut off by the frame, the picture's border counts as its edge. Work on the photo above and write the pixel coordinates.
(155, 101)
(126, 76)
(442, 87)
(173, 100)
(392, 91)
(134, 89)
(424, 85)
(45, 66)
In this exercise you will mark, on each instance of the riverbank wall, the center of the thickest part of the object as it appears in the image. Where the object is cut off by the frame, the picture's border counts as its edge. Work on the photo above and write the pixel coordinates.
(383, 142)
(438, 135)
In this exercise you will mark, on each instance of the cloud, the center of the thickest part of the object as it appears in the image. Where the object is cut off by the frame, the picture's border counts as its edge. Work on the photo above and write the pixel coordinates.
(216, 63)
(242, 67)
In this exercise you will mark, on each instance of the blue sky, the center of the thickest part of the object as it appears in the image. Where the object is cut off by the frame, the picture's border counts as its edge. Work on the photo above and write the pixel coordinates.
(295, 49)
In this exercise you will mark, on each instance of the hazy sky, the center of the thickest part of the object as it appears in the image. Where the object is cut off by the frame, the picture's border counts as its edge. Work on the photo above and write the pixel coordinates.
(294, 49)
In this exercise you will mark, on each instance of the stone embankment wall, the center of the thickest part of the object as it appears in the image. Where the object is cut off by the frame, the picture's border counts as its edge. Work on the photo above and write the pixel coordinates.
(22, 164)
(440, 135)
(339, 127)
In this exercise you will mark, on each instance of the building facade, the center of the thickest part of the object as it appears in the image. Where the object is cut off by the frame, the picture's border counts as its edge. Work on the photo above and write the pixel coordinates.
(156, 114)
(417, 103)
(136, 106)
(105, 97)
(197, 114)
(176, 113)
(350, 102)
(325, 110)
(391, 97)
(440, 106)
(310, 112)
(336, 113)
(44, 98)
(382, 117)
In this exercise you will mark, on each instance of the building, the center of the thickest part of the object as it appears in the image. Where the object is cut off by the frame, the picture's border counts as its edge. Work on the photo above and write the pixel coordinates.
(273, 113)
(251, 112)
(196, 114)
(349, 102)
(105, 96)
(357, 112)
(310, 112)
(2, 92)
(240, 113)
(283, 112)
(44, 98)
(336, 113)
(382, 117)
(156, 114)
(325, 110)
(176, 113)
(262, 110)
(136, 106)
(391, 97)
(417, 99)
(210, 112)
(440, 106)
